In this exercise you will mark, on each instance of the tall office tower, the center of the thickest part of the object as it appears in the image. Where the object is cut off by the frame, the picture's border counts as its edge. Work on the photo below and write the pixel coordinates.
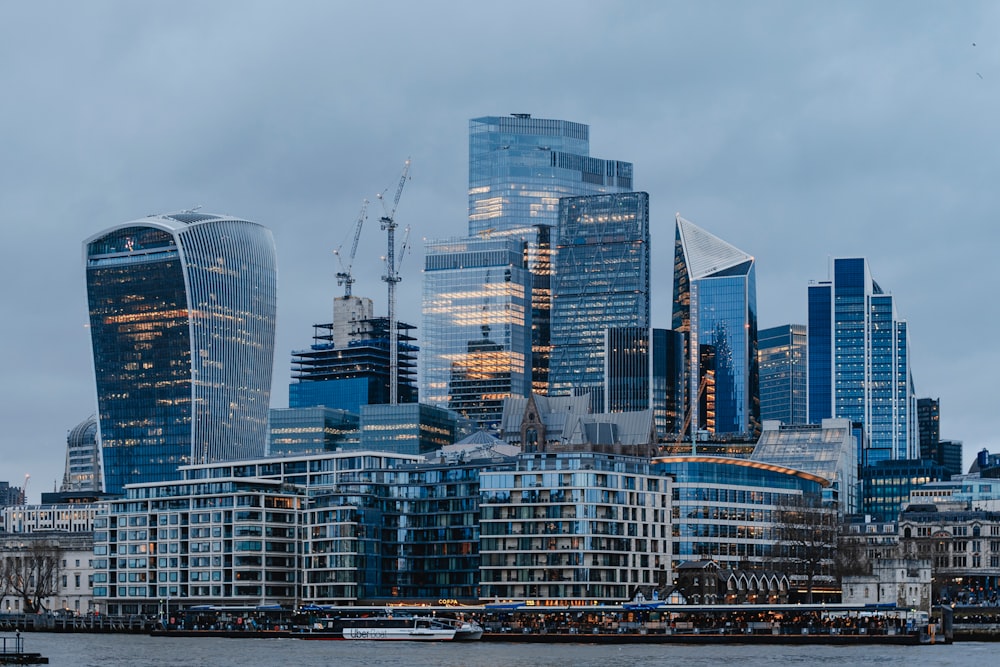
(949, 456)
(715, 304)
(519, 168)
(601, 282)
(643, 370)
(182, 316)
(929, 426)
(859, 361)
(781, 354)
(477, 326)
(946, 453)
(347, 365)
(83, 462)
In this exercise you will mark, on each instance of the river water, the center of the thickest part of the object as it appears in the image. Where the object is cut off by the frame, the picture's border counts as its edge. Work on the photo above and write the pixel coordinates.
(93, 650)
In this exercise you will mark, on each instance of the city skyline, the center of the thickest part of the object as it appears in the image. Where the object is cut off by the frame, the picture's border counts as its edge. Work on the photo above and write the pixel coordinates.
(795, 133)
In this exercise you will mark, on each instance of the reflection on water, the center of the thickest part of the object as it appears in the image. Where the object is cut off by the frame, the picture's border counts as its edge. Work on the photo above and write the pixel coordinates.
(64, 650)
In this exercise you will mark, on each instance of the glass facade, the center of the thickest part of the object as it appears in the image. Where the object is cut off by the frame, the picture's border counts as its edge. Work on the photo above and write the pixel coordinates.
(887, 485)
(859, 361)
(727, 510)
(342, 557)
(644, 369)
(313, 430)
(601, 281)
(477, 326)
(820, 353)
(715, 304)
(828, 450)
(435, 548)
(929, 426)
(182, 317)
(782, 359)
(406, 428)
(519, 168)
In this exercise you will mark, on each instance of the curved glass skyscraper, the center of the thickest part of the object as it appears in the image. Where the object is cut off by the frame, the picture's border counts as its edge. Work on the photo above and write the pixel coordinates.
(182, 320)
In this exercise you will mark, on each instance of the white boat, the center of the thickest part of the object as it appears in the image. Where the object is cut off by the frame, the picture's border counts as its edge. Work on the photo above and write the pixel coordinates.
(465, 631)
(418, 628)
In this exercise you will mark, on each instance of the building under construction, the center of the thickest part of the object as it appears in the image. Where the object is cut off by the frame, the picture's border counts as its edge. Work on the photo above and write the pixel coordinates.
(348, 364)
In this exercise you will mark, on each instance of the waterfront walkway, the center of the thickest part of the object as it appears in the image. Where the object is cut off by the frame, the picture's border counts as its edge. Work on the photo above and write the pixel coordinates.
(85, 623)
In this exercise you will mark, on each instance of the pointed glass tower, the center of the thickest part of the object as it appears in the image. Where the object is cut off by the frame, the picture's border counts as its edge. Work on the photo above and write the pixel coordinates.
(715, 304)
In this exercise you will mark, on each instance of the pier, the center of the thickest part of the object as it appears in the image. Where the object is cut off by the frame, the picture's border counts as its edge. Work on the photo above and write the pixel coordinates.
(12, 652)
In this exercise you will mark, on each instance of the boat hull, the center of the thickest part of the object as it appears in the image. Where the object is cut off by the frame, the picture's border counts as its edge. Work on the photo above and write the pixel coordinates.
(399, 634)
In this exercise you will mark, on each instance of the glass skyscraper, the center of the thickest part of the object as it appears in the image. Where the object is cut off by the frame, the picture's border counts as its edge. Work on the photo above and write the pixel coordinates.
(715, 304)
(644, 369)
(782, 356)
(601, 281)
(929, 426)
(476, 347)
(182, 317)
(859, 361)
(519, 168)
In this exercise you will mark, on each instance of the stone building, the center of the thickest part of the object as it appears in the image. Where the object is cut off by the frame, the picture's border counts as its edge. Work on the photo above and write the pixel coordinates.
(905, 583)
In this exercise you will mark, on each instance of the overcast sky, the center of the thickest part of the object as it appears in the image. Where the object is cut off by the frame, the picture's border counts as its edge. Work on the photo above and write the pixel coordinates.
(797, 131)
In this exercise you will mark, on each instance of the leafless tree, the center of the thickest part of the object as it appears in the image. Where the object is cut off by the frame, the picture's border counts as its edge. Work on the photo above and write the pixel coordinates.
(5, 577)
(851, 557)
(30, 571)
(806, 538)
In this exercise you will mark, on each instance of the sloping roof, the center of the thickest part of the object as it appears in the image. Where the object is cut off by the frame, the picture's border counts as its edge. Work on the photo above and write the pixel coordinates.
(707, 254)
(554, 411)
(478, 445)
(479, 438)
(697, 565)
(613, 428)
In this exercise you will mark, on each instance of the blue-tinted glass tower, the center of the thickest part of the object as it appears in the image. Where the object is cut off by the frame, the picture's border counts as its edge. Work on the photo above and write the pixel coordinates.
(476, 348)
(859, 361)
(782, 356)
(519, 168)
(601, 281)
(715, 304)
(182, 317)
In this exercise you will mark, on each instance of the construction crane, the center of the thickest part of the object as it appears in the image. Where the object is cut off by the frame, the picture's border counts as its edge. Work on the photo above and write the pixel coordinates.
(404, 247)
(344, 276)
(24, 490)
(391, 277)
